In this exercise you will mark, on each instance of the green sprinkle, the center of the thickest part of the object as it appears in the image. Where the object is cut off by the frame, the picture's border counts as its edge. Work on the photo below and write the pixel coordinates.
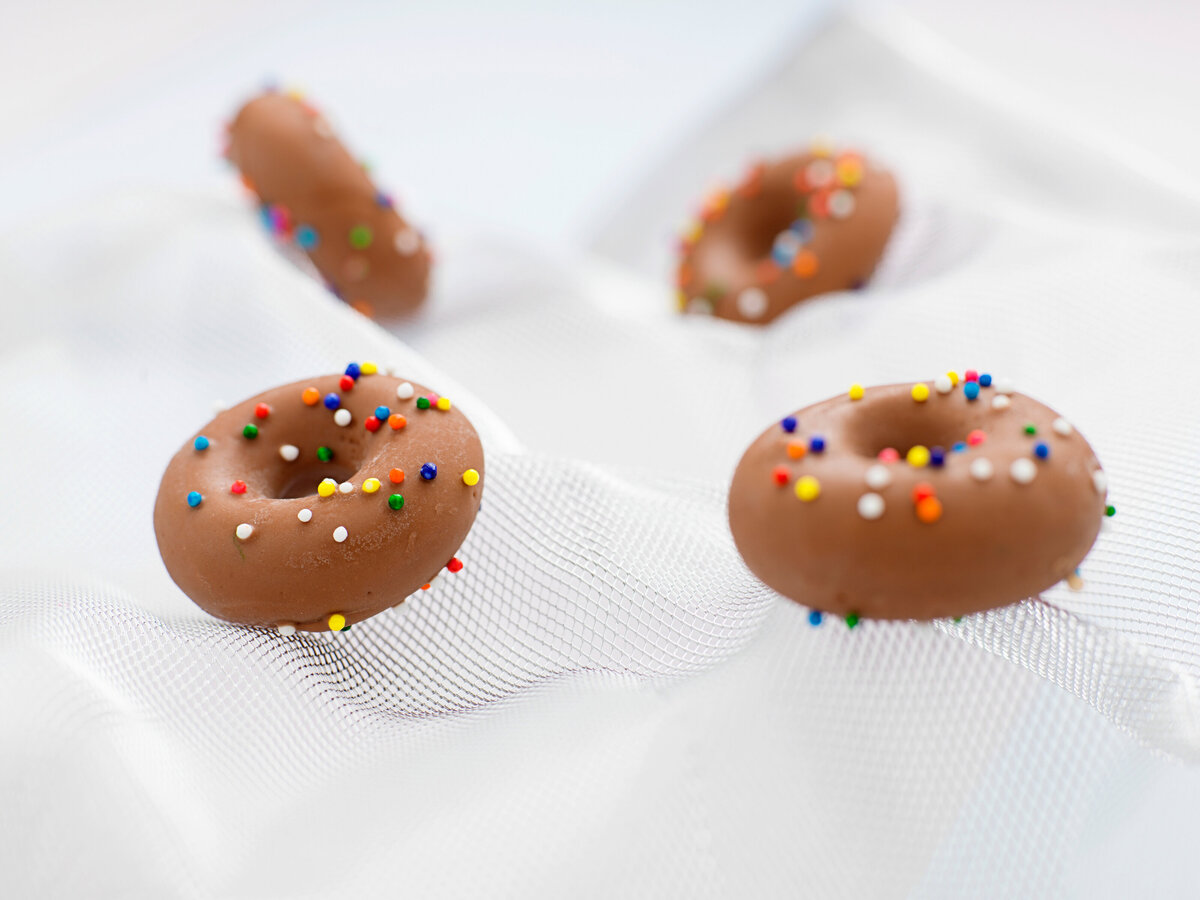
(396, 501)
(957, 619)
(1031, 428)
(1110, 510)
(851, 620)
(422, 403)
(250, 431)
(714, 292)
(324, 454)
(360, 237)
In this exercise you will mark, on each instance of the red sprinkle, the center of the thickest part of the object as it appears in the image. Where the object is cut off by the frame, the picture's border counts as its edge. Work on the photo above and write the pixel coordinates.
(781, 474)
(889, 454)
(262, 410)
(238, 487)
(454, 565)
(346, 382)
(921, 490)
(976, 437)
(372, 423)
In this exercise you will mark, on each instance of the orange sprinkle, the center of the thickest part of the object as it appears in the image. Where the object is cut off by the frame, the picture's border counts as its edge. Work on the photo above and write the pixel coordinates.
(311, 396)
(768, 272)
(248, 184)
(818, 204)
(426, 587)
(685, 275)
(796, 449)
(805, 264)
(397, 421)
(800, 182)
(929, 510)
(396, 476)
(921, 490)
(363, 307)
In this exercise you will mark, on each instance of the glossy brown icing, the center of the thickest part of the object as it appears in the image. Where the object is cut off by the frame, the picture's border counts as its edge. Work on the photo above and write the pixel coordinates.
(809, 224)
(313, 192)
(289, 569)
(843, 531)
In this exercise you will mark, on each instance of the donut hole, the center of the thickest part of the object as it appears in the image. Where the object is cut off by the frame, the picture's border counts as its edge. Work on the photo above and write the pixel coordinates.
(901, 424)
(771, 213)
(302, 480)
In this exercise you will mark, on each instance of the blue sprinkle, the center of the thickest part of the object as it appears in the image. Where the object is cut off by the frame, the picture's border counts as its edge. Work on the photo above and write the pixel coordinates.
(306, 237)
(937, 457)
(971, 389)
(985, 380)
(201, 443)
(1041, 450)
(429, 471)
(382, 412)
(789, 424)
(959, 446)
(384, 200)
(264, 213)
(803, 229)
(332, 401)
(816, 444)
(782, 256)
(815, 617)
(354, 370)
(194, 499)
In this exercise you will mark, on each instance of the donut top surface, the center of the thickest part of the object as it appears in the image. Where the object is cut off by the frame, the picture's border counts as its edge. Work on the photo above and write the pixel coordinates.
(918, 500)
(809, 224)
(319, 503)
(316, 195)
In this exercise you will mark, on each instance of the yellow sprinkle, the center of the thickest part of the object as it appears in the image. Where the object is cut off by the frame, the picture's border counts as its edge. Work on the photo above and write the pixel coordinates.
(953, 376)
(821, 147)
(1074, 582)
(443, 403)
(371, 485)
(327, 487)
(692, 232)
(295, 94)
(337, 622)
(849, 171)
(808, 488)
(470, 477)
(368, 368)
(918, 456)
(920, 392)
(681, 300)
(856, 392)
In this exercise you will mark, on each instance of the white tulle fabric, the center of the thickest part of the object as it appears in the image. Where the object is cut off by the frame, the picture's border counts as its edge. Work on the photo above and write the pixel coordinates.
(604, 702)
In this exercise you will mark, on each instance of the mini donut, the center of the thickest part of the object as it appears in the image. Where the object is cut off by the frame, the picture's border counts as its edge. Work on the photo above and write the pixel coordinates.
(809, 224)
(320, 503)
(313, 193)
(907, 501)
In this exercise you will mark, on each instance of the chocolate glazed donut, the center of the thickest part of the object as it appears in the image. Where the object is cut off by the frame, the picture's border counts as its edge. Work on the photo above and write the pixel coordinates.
(809, 224)
(918, 501)
(317, 504)
(313, 192)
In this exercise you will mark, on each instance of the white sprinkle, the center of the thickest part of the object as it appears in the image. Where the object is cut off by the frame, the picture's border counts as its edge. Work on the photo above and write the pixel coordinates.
(305, 515)
(244, 531)
(981, 469)
(346, 487)
(1023, 470)
(1003, 385)
(404, 391)
(819, 173)
(788, 244)
(287, 630)
(289, 452)
(321, 127)
(1062, 426)
(407, 242)
(752, 303)
(340, 533)
(1001, 402)
(219, 406)
(700, 306)
(878, 477)
(943, 385)
(1100, 481)
(342, 417)
(841, 204)
(870, 506)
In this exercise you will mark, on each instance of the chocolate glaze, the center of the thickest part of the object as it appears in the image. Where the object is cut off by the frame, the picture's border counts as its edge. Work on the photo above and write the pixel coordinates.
(291, 159)
(730, 250)
(289, 572)
(997, 541)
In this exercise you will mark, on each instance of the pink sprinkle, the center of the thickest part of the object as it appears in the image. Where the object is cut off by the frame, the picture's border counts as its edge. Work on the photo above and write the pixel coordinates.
(280, 222)
(889, 454)
(976, 437)
(971, 375)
